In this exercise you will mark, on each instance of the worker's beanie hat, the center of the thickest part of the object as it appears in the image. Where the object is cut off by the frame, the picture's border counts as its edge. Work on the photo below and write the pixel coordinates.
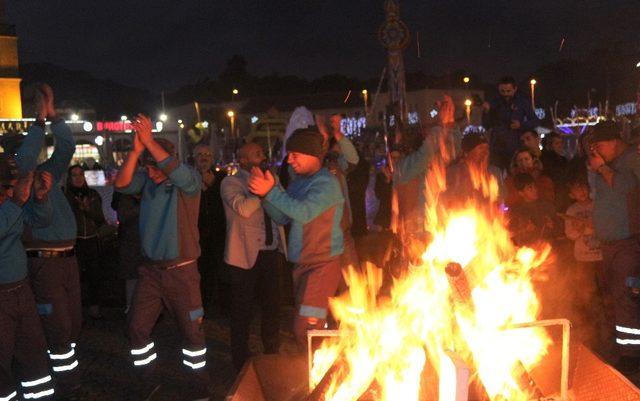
(306, 140)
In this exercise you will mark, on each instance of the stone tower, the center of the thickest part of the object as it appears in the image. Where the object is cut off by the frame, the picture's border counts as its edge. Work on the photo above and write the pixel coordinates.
(10, 100)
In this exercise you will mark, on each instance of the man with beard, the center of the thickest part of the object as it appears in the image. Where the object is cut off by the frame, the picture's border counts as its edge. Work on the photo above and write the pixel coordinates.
(507, 117)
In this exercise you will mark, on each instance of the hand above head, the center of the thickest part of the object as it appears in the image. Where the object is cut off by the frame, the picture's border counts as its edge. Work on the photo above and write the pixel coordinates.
(142, 126)
(47, 94)
(42, 184)
(321, 123)
(138, 146)
(41, 106)
(261, 183)
(22, 189)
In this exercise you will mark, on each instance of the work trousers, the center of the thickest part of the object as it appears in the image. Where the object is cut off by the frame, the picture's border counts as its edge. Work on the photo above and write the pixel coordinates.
(23, 348)
(314, 284)
(177, 289)
(56, 285)
(261, 282)
(621, 267)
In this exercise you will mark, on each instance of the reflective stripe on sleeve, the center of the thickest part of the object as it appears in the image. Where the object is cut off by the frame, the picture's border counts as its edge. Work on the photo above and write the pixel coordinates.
(36, 382)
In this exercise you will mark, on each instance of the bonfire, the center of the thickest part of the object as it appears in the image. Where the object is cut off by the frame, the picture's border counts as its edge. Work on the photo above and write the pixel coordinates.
(454, 308)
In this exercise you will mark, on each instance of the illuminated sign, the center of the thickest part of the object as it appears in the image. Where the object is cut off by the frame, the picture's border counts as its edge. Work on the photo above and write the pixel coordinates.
(15, 125)
(626, 109)
(113, 126)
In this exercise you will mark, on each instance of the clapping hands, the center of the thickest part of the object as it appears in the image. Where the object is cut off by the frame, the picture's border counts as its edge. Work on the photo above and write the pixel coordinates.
(260, 183)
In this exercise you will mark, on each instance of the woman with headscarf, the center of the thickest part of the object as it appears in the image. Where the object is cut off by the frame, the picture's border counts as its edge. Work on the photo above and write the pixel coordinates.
(87, 207)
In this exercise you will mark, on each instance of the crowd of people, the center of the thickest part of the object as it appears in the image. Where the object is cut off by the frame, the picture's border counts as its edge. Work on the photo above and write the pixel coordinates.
(195, 241)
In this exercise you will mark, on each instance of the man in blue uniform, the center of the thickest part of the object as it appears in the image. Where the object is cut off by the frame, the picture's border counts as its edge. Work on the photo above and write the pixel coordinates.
(22, 343)
(53, 267)
(313, 205)
(170, 247)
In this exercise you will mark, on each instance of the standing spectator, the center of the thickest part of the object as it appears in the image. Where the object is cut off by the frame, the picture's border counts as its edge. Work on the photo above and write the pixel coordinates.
(129, 248)
(461, 184)
(53, 267)
(212, 227)
(586, 276)
(616, 223)
(86, 204)
(313, 204)
(524, 162)
(383, 190)
(22, 343)
(252, 247)
(341, 159)
(507, 116)
(357, 183)
(553, 159)
(170, 247)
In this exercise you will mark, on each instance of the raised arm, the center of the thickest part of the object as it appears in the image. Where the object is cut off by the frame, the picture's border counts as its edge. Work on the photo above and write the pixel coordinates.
(324, 194)
(28, 152)
(126, 173)
(65, 146)
(187, 179)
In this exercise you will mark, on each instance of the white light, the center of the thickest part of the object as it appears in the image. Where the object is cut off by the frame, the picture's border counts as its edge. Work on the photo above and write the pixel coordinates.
(75, 117)
(194, 353)
(65, 368)
(99, 140)
(195, 366)
(87, 126)
(123, 118)
(36, 382)
(159, 126)
(179, 121)
(254, 119)
(62, 356)
(163, 117)
(638, 65)
(9, 397)
(146, 361)
(205, 124)
(142, 350)
(35, 396)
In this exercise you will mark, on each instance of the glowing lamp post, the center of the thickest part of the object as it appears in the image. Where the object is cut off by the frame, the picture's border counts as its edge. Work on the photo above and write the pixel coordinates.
(123, 118)
(467, 104)
(232, 120)
(365, 95)
(163, 117)
(533, 83)
(234, 93)
(466, 80)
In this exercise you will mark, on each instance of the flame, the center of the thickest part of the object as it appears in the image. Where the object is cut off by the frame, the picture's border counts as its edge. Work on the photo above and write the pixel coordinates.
(387, 341)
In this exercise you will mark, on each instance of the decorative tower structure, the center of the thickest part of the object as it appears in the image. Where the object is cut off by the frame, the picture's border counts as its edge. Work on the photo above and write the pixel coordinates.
(10, 100)
(394, 36)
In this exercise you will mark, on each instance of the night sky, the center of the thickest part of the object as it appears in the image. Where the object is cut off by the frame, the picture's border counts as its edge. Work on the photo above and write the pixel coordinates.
(161, 44)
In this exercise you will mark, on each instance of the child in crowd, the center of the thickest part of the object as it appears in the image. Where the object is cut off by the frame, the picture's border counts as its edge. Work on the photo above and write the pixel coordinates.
(533, 219)
(586, 275)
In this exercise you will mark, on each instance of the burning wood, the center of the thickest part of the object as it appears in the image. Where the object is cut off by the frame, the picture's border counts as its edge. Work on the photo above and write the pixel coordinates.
(462, 294)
